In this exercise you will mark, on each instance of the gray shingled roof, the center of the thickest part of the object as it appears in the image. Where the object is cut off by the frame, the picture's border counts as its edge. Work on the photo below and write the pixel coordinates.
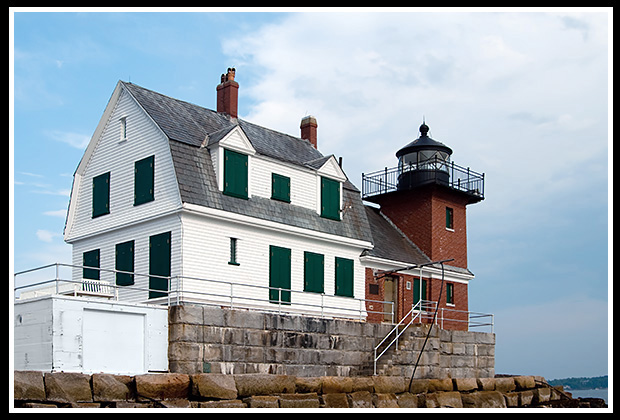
(188, 125)
(389, 242)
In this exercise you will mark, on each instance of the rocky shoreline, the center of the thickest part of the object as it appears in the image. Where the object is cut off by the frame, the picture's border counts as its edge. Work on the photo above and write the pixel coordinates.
(34, 389)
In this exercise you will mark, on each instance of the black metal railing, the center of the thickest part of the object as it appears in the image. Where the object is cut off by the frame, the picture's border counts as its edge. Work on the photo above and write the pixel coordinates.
(407, 176)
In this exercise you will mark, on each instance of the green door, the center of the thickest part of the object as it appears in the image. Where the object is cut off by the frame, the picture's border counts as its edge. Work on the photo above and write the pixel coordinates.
(279, 274)
(159, 264)
(419, 292)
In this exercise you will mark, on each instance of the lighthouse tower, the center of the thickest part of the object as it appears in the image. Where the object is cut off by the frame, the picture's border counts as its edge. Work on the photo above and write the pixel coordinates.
(426, 196)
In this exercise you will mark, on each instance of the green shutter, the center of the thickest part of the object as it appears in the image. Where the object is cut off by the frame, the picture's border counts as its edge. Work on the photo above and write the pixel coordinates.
(101, 195)
(330, 198)
(344, 277)
(279, 274)
(144, 181)
(90, 259)
(124, 262)
(159, 264)
(235, 174)
(313, 272)
(281, 188)
(416, 290)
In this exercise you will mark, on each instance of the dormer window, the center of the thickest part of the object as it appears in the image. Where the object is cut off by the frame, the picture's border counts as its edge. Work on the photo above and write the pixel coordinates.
(235, 174)
(231, 153)
(330, 198)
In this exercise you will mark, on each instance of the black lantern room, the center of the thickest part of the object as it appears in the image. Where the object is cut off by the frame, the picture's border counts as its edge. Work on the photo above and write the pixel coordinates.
(423, 161)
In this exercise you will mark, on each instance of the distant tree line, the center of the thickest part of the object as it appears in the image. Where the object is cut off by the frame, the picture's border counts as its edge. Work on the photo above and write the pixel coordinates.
(581, 383)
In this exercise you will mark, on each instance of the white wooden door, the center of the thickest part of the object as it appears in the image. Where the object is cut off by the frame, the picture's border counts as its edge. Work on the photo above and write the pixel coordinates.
(113, 342)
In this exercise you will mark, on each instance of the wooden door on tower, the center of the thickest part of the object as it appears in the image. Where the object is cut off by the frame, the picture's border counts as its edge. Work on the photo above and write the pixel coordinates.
(390, 296)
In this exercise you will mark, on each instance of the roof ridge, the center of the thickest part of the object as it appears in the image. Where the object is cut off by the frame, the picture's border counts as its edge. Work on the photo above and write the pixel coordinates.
(275, 131)
(166, 96)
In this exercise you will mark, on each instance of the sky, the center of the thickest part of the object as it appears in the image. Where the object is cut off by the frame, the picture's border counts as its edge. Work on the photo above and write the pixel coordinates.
(522, 95)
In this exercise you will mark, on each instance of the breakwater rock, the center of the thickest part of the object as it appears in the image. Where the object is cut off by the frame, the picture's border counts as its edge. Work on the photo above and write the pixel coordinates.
(34, 389)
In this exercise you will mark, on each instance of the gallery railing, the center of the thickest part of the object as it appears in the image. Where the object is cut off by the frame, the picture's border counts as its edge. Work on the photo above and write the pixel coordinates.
(431, 171)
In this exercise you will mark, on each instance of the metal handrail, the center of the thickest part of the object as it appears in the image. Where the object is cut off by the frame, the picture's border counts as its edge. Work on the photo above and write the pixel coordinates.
(423, 310)
(398, 334)
(177, 293)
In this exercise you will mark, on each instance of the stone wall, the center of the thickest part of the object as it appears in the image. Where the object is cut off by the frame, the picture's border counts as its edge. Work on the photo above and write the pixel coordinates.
(34, 389)
(205, 339)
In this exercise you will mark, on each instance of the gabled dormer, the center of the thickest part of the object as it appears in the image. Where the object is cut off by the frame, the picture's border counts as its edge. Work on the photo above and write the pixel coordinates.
(330, 178)
(231, 154)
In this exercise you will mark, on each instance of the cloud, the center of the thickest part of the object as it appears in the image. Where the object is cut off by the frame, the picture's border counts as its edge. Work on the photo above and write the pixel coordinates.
(76, 140)
(32, 175)
(56, 213)
(63, 192)
(46, 235)
(516, 96)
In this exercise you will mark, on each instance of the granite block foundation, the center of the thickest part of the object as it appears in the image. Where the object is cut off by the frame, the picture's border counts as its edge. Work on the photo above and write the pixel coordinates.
(204, 339)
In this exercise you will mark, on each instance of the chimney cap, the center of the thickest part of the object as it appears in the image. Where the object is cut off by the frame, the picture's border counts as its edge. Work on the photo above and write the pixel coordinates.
(229, 76)
(308, 120)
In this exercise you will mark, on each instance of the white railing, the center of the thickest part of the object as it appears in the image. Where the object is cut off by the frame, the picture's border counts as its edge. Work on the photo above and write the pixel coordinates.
(54, 279)
(425, 310)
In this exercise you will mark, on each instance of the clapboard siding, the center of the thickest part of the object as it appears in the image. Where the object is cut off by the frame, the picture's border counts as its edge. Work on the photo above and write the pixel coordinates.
(140, 234)
(118, 157)
(303, 182)
(206, 255)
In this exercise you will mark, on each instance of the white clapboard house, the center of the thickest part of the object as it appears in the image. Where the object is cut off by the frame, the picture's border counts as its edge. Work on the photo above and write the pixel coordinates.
(176, 202)
(200, 201)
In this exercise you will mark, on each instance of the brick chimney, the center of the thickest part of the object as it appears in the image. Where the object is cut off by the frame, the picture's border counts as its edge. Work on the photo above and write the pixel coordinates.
(308, 129)
(228, 94)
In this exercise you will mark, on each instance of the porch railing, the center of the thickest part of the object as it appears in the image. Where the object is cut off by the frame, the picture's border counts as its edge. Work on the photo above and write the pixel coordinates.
(59, 278)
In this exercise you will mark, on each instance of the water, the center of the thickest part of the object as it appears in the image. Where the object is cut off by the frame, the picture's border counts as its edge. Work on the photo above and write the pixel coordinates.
(589, 393)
